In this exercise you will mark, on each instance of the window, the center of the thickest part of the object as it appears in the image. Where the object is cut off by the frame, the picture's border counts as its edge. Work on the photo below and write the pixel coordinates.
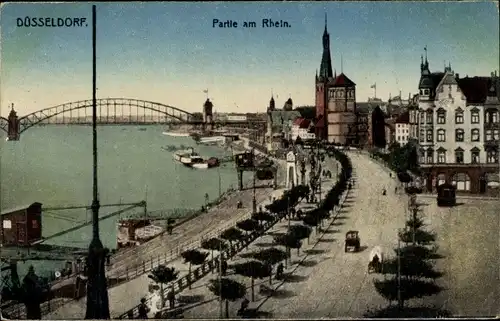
(441, 156)
(399, 138)
(430, 156)
(459, 117)
(474, 117)
(491, 156)
(429, 119)
(441, 119)
(459, 135)
(426, 91)
(422, 135)
(475, 135)
(491, 117)
(459, 156)
(494, 117)
(474, 156)
(7, 224)
(461, 181)
(489, 134)
(441, 135)
(429, 135)
(422, 156)
(496, 134)
(422, 117)
(34, 224)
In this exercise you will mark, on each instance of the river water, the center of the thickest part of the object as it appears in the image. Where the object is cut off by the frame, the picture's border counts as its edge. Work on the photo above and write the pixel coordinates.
(53, 165)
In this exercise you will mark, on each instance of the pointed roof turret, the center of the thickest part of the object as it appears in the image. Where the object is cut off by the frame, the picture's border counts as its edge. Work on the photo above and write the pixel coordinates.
(325, 70)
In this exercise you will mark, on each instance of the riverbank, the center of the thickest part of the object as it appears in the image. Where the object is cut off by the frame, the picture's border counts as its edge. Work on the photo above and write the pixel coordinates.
(128, 269)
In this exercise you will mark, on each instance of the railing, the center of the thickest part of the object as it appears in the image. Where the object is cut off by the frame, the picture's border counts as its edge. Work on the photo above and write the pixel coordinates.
(182, 283)
(207, 267)
(129, 273)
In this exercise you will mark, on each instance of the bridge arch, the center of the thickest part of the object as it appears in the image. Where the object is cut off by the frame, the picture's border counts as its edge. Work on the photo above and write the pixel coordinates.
(106, 110)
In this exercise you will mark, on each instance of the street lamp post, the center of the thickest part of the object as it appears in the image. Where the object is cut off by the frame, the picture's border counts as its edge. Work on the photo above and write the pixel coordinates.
(97, 292)
(254, 200)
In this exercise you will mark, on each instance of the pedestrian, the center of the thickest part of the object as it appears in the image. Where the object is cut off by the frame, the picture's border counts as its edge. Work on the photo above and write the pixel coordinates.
(279, 271)
(171, 298)
(243, 306)
(143, 309)
(223, 267)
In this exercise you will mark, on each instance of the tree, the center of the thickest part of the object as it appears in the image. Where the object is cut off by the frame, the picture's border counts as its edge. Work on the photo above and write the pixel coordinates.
(214, 244)
(193, 257)
(232, 234)
(263, 217)
(300, 232)
(253, 270)
(31, 292)
(271, 256)
(163, 275)
(311, 220)
(410, 288)
(248, 225)
(227, 290)
(289, 242)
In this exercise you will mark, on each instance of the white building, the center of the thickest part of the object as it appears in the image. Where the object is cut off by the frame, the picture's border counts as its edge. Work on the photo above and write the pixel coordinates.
(452, 136)
(301, 128)
(402, 128)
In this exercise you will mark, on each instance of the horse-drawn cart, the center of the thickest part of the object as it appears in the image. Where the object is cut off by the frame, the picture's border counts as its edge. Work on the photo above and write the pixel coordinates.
(375, 263)
(352, 241)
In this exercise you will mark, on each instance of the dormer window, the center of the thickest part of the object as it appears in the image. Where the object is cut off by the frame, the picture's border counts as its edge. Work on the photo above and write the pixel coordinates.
(426, 91)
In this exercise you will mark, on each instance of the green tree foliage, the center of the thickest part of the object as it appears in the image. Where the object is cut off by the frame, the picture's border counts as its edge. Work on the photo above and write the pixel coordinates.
(193, 257)
(307, 112)
(232, 234)
(421, 237)
(300, 232)
(227, 290)
(248, 225)
(271, 256)
(289, 241)
(263, 217)
(31, 292)
(163, 275)
(214, 244)
(410, 288)
(253, 270)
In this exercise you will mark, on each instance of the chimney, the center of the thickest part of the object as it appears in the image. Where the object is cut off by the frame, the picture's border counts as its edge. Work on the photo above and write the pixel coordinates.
(457, 76)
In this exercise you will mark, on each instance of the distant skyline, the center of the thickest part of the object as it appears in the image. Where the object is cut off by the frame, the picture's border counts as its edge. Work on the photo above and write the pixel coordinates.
(170, 52)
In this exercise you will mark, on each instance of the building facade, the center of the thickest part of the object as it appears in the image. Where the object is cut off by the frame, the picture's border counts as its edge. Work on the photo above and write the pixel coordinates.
(456, 134)
(402, 127)
(301, 127)
(336, 119)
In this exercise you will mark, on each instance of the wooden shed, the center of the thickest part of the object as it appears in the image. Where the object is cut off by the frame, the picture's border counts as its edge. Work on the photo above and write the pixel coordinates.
(22, 225)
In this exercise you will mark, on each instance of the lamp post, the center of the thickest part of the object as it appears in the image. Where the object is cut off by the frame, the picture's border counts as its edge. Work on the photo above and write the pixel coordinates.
(97, 292)
(254, 200)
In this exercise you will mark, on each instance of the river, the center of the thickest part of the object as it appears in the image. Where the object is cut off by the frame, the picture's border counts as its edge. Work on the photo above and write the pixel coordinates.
(53, 165)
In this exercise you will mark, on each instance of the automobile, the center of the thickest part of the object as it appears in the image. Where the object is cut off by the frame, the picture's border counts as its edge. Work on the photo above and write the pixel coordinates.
(352, 241)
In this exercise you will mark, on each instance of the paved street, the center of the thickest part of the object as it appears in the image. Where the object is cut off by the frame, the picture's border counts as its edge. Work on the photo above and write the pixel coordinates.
(468, 238)
(206, 304)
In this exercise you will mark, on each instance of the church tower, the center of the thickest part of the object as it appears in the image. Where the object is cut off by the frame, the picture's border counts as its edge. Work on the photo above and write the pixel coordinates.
(269, 132)
(325, 76)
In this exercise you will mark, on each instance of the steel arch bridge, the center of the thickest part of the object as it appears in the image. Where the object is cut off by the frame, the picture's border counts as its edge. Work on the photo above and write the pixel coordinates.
(109, 111)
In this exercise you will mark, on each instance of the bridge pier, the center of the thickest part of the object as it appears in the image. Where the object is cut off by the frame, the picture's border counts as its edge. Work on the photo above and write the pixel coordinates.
(13, 127)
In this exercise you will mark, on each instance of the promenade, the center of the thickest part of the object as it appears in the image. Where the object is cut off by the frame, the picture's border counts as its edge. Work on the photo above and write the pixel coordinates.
(219, 218)
(205, 303)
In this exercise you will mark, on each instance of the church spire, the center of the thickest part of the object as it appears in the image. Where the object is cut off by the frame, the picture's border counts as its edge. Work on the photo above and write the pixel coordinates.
(325, 70)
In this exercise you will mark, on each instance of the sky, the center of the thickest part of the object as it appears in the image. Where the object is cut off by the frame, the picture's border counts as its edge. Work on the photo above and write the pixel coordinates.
(170, 52)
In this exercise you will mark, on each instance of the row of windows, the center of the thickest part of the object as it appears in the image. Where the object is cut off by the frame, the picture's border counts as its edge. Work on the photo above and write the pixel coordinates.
(428, 157)
(340, 94)
(427, 135)
(490, 117)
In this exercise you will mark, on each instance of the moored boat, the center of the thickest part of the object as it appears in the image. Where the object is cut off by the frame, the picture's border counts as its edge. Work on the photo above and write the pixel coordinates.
(204, 164)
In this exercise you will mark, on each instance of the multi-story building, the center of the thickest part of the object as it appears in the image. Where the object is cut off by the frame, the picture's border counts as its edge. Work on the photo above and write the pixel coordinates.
(301, 127)
(453, 134)
(402, 128)
(335, 101)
